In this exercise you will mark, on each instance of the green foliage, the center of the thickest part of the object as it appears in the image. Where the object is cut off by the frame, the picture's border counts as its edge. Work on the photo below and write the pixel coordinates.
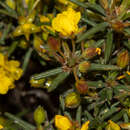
(103, 26)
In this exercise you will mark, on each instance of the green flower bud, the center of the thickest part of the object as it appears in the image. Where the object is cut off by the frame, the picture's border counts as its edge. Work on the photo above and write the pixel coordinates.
(37, 83)
(39, 115)
(72, 100)
(39, 44)
(48, 83)
(84, 66)
(123, 59)
(45, 36)
(23, 44)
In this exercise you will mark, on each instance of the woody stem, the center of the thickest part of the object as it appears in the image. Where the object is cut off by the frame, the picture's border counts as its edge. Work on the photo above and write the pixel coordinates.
(75, 73)
(73, 46)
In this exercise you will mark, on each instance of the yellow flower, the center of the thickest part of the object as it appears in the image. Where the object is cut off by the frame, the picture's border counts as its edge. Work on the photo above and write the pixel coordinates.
(66, 22)
(85, 125)
(98, 50)
(9, 72)
(112, 126)
(62, 123)
(1, 127)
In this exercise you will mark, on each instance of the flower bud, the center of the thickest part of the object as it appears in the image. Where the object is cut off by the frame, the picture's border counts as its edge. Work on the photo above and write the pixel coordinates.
(30, 28)
(125, 101)
(125, 126)
(54, 44)
(82, 86)
(84, 66)
(11, 4)
(63, 123)
(118, 26)
(91, 52)
(85, 126)
(39, 115)
(45, 36)
(72, 100)
(18, 31)
(48, 83)
(112, 126)
(89, 43)
(38, 44)
(37, 83)
(123, 59)
(21, 20)
(31, 17)
(23, 44)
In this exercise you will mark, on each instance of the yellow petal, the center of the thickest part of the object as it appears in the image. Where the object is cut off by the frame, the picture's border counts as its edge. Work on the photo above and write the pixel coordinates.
(44, 18)
(85, 125)
(98, 50)
(62, 122)
(5, 82)
(2, 61)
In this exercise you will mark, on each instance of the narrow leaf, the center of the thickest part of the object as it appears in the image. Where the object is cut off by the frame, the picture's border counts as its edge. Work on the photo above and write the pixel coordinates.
(94, 7)
(126, 118)
(89, 22)
(89, 116)
(5, 33)
(118, 116)
(92, 31)
(12, 48)
(20, 122)
(79, 114)
(47, 73)
(11, 11)
(26, 59)
(59, 79)
(103, 67)
(109, 113)
(108, 46)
